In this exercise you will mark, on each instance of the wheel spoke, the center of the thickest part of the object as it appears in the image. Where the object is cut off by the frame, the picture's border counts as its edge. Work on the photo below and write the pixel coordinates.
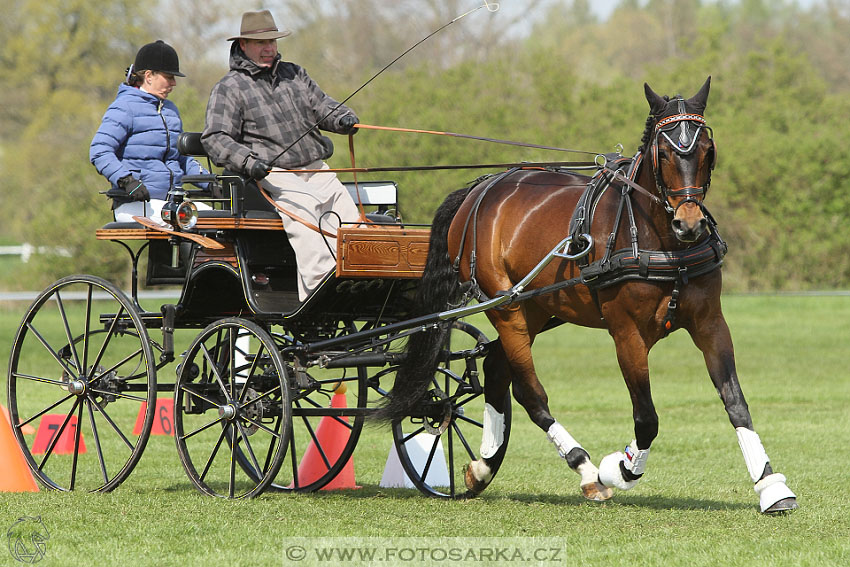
(231, 344)
(117, 365)
(463, 441)
(430, 459)
(86, 333)
(118, 395)
(59, 383)
(45, 410)
(106, 341)
(232, 484)
(97, 440)
(49, 349)
(202, 428)
(248, 446)
(407, 438)
(470, 420)
(113, 425)
(336, 418)
(251, 371)
(260, 425)
(67, 328)
(78, 432)
(214, 368)
(315, 439)
(188, 388)
(49, 450)
(213, 454)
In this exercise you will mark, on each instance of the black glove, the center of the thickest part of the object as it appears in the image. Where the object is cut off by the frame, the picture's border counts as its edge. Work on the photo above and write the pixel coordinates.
(134, 189)
(259, 170)
(347, 123)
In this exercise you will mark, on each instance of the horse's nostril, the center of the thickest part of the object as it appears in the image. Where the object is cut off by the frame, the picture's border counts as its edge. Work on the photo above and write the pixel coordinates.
(677, 224)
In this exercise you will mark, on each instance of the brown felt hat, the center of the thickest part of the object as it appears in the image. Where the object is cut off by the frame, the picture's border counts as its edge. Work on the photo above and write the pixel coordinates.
(259, 25)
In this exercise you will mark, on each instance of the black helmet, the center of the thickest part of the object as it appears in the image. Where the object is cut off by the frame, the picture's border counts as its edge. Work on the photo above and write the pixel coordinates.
(158, 56)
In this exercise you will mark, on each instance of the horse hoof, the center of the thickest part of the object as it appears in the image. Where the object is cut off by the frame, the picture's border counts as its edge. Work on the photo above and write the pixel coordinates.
(783, 506)
(473, 484)
(596, 491)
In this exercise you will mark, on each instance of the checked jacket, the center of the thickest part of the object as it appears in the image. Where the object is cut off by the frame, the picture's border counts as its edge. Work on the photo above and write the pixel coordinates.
(256, 112)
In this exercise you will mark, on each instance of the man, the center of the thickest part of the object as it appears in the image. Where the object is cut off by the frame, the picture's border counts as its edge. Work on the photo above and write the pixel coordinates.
(255, 113)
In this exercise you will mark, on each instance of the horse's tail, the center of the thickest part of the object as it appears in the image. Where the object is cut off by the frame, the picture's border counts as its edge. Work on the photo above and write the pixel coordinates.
(439, 287)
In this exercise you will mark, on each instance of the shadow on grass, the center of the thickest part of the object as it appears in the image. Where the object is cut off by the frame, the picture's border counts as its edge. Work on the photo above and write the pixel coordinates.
(630, 501)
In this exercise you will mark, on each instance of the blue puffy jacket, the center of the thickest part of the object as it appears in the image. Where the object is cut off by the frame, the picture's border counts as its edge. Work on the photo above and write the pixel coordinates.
(138, 137)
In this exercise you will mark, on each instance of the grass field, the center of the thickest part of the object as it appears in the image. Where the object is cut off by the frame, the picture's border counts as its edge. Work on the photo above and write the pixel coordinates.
(695, 506)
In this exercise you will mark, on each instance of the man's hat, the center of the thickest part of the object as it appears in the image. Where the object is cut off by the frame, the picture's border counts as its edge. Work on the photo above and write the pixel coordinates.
(158, 56)
(259, 25)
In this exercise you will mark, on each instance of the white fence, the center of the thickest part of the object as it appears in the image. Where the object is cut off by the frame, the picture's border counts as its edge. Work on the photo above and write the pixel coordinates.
(25, 251)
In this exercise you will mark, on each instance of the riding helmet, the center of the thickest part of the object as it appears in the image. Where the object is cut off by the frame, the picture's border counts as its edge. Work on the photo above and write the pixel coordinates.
(158, 56)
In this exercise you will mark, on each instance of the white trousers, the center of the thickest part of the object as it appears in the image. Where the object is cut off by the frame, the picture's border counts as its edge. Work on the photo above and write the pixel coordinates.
(313, 197)
(151, 209)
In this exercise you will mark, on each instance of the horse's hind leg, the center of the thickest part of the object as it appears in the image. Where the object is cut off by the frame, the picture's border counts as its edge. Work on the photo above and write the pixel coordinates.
(497, 379)
(511, 362)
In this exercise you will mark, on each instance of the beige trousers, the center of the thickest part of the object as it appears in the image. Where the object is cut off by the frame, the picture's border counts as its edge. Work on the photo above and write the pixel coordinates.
(312, 197)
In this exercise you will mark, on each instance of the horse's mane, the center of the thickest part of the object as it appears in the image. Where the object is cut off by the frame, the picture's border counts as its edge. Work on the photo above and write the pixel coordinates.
(647, 132)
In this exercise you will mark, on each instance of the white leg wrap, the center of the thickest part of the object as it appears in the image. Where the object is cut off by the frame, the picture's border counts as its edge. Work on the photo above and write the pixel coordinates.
(754, 454)
(494, 431)
(636, 458)
(481, 471)
(634, 461)
(589, 473)
(562, 440)
(771, 489)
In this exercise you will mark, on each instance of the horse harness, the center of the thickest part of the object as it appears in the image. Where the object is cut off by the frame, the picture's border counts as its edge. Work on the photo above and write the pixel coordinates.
(618, 173)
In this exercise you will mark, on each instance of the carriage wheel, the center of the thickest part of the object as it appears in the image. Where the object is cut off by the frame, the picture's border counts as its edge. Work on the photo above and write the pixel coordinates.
(231, 404)
(435, 450)
(81, 370)
(327, 420)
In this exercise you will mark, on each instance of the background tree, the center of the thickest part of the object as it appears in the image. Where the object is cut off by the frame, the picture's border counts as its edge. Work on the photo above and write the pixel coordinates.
(553, 73)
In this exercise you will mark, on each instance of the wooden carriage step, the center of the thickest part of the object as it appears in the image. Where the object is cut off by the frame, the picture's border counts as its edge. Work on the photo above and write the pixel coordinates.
(382, 251)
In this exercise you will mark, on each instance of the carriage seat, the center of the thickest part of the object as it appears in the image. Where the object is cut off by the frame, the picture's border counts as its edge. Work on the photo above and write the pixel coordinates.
(382, 196)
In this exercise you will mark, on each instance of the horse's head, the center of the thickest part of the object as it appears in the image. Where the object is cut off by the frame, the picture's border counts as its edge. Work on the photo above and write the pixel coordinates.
(683, 156)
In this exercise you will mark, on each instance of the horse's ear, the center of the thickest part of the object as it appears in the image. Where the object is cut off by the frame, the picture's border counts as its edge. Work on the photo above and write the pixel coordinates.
(700, 99)
(656, 102)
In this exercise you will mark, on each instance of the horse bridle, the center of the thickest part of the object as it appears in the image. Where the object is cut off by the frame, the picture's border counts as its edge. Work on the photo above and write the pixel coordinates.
(689, 127)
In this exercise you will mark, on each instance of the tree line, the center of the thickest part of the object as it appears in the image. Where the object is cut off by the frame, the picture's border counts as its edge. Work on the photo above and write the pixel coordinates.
(553, 74)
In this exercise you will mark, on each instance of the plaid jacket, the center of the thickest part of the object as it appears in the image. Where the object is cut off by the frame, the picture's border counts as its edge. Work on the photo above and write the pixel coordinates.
(257, 112)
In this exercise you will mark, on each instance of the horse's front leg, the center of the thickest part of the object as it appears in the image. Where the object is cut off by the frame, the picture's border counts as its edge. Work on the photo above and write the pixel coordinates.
(624, 470)
(715, 342)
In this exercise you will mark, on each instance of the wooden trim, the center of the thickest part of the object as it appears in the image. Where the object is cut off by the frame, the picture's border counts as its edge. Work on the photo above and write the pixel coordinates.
(382, 251)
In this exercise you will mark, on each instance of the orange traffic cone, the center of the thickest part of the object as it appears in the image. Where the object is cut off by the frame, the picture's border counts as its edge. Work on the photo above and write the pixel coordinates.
(333, 437)
(16, 475)
(25, 429)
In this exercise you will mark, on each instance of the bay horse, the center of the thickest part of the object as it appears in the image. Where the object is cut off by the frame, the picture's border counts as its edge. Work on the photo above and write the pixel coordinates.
(657, 272)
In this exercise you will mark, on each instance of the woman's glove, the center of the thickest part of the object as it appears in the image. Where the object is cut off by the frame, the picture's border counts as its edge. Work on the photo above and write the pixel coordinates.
(134, 189)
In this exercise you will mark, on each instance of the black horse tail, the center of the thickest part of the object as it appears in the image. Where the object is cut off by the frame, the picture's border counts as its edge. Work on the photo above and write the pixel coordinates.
(439, 287)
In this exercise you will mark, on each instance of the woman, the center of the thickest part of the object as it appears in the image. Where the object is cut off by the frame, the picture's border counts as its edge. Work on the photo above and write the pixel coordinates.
(135, 147)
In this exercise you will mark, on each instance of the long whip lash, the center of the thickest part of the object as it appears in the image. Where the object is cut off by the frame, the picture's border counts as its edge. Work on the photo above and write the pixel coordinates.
(491, 7)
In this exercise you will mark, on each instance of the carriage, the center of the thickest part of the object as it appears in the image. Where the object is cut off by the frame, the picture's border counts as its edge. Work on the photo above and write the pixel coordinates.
(263, 371)
(639, 256)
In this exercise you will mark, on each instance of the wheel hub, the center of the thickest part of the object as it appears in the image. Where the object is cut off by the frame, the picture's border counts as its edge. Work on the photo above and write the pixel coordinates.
(77, 387)
(228, 412)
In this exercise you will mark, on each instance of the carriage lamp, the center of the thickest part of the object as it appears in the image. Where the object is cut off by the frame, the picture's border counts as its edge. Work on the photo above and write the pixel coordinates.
(182, 215)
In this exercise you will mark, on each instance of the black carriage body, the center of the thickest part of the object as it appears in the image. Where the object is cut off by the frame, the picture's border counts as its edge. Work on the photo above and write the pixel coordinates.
(246, 394)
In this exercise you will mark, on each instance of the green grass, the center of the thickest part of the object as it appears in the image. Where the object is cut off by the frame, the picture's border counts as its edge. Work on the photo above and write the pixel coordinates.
(695, 505)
